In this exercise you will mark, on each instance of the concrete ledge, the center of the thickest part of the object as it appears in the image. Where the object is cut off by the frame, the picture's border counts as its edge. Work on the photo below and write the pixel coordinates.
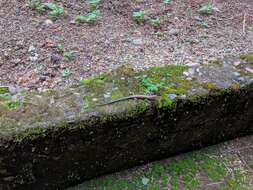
(56, 138)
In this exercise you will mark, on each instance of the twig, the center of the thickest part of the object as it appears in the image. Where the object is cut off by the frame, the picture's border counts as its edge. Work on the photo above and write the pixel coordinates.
(141, 97)
(244, 24)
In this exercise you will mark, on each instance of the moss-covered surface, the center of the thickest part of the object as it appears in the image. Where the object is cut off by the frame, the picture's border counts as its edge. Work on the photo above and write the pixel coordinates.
(247, 57)
(55, 138)
(211, 168)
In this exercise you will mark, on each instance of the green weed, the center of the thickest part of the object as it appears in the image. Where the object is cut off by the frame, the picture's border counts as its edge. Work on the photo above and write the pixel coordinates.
(139, 16)
(156, 22)
(94, 4)
(66, 73)
(207, 9)
(89, 18)
(67, 56)
(55, 10)
(38, 6)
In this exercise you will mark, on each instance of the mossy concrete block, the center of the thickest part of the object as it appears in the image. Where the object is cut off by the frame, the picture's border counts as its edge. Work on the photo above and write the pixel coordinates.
(53, 139)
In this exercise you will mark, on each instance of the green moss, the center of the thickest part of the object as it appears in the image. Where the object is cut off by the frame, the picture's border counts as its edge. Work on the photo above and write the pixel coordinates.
(214, 168)
(4, 90)
(247, 57)
(210, 86)
(124, 82)
(13, 105)
(93, 80)
(132, 111)
(30, 134)
(217, 62)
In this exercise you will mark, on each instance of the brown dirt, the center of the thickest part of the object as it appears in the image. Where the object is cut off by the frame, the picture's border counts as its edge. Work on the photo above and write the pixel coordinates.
(116, 39)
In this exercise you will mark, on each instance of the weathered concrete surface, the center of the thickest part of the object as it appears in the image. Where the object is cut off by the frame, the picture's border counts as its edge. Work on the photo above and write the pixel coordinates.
(54, 139)
(228, 165)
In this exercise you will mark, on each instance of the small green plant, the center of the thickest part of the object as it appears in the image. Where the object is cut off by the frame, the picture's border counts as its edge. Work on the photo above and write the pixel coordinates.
(148, 84)
(139, 16)
(207, 9)
(38, 6)
(67, 56)
(61, 47)
(167, 1)
(13, 105)
(55, 10)
(94, 4)
(89, 18)
(156, 22)
(66, 73)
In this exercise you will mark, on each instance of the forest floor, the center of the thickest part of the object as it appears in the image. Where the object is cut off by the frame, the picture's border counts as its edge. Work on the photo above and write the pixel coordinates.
(40, 49)
(226, 166)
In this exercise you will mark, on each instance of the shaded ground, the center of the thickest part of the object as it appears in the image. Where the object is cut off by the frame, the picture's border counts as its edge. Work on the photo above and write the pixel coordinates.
(225, 166)
(29, 56)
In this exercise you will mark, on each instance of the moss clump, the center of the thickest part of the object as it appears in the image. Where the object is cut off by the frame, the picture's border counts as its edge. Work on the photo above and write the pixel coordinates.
(247, 57)
(93, 80)
(4, 90)
(170, 79)
(125, 70)
(211, 86)
(124, 82)
(13, 105)
(166, 80)
(216, 61)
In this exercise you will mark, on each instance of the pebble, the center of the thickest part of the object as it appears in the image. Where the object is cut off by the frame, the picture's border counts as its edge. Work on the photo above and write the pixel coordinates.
(236, 74)
(34, 57)
(107, 95)
(191, 71)
(16, 61)
(249, 70)
(48, 22)
(15, 89)
(193, 64)
(237, 63)
(185, 73)
(241, 79)
(174, 32)
(31, 49)
(197, 18)
(172, 96)
(138, 41)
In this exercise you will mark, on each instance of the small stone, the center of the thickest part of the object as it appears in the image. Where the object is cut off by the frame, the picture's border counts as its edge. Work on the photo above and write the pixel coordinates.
(174, 85)
(249, 70)
(237, 63)
(236, 74)
(197, 18)
(137, 41)
(43, 78)
(241, 79)
(15, 89)
(193, 64)
(34, 57)
(174, 32)
(48, 22)
(191, 71)
(172, 96)
(107, 95)
(31, 48)
(185, 73)
(94, 99)
(16, 61)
